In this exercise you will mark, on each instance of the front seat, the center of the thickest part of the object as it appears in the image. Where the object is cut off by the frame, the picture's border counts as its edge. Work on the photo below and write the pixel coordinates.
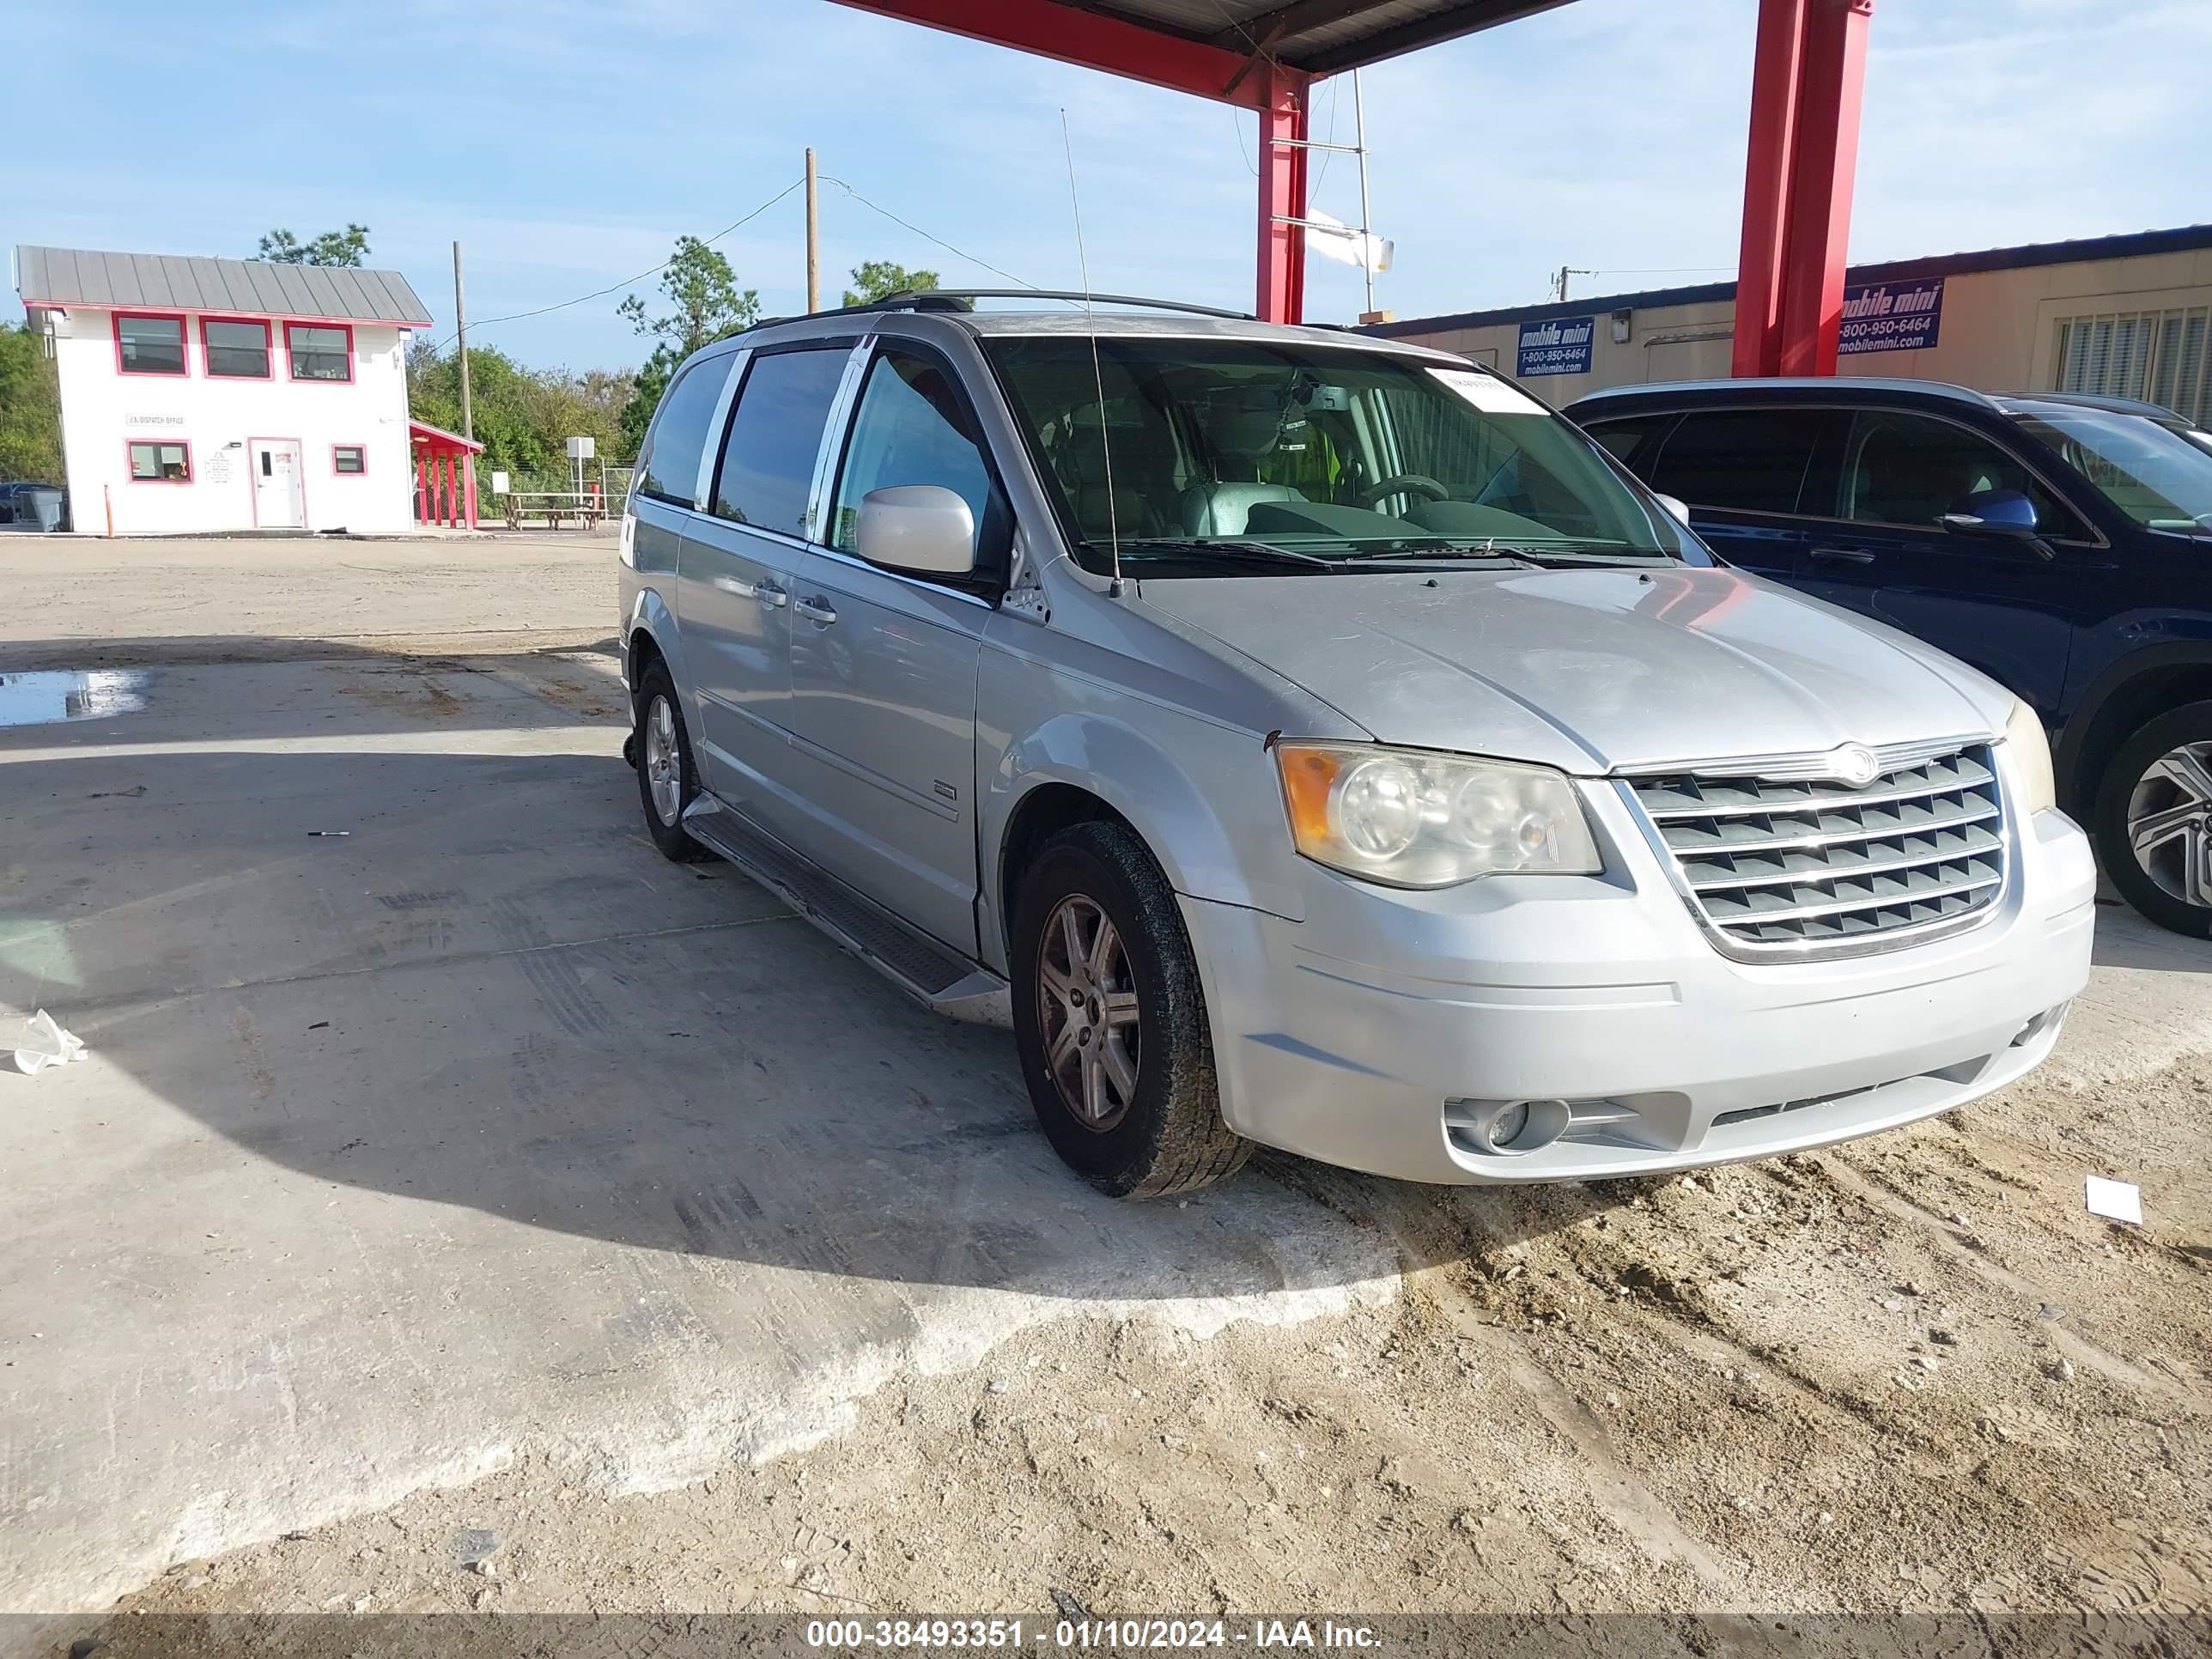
(1224, 509)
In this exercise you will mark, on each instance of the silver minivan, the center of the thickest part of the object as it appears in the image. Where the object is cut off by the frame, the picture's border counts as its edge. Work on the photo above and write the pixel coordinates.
(1307, 739)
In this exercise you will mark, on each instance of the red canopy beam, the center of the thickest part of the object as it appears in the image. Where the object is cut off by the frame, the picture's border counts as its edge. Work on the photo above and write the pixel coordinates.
(1808, 71)
(1087, 38)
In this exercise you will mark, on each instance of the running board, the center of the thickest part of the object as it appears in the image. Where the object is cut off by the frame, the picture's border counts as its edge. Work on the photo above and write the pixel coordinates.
(924, 969)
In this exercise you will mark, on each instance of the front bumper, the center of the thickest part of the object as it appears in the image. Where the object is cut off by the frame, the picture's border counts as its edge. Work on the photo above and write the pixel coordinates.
(1363, 1034)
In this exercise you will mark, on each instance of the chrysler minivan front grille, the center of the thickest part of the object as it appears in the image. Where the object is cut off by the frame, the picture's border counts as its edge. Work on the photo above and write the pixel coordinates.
(1782, 861)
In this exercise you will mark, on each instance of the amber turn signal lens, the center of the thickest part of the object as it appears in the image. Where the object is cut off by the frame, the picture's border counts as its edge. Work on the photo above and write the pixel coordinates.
(1308, 776)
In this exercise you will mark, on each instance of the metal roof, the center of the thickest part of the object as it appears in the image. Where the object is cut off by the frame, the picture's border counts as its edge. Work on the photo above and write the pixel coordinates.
(1321, 37)
(167, 282)
(2130, 245)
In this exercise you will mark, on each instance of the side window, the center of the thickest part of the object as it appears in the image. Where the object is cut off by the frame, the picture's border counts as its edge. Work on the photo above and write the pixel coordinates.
(668, 471)
(912, 428)
(1621, 439)
(1904, 469)
(1740, 461)
(768, 460)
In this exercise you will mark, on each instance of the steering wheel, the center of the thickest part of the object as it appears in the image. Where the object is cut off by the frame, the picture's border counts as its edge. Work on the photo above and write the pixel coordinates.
(1419, 483)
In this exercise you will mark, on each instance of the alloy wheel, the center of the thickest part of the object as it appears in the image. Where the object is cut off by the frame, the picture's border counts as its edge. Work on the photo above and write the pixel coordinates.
(2170, 822)
(1087, 1009)
(664, 762)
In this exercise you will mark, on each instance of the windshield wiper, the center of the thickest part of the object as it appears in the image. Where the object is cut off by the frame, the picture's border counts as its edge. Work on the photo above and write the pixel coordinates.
(1208, 545)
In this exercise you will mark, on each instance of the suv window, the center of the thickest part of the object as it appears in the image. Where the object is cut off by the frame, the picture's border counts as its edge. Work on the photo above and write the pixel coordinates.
(668, 469)
(767, 469)
(1621, 439)
(913, 429)
(1742, 460)
(1906, 468)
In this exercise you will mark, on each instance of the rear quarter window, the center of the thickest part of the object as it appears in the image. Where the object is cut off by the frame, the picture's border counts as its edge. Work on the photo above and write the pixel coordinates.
(668, 469)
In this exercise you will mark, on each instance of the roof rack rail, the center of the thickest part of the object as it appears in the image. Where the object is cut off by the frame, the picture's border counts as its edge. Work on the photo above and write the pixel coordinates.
(963, 299)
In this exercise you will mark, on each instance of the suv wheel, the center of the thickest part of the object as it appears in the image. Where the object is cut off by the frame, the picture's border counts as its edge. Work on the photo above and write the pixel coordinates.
(1110, 1019)
(667, 781)
(2152, 820)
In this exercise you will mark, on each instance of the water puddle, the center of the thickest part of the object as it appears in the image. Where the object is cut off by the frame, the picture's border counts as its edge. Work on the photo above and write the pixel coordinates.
(91, 693)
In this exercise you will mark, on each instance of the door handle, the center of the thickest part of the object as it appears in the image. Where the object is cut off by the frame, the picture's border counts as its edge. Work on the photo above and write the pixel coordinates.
(1842, 555)
(816, 609)
(770, 595)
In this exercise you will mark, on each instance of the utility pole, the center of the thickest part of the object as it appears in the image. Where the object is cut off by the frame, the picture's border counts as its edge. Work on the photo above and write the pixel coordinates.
(813, 241)
(1366, 218)
(1560, 280)
(461, 346)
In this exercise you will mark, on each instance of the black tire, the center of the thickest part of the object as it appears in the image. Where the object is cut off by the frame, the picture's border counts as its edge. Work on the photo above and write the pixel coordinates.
(657, 689)
(2108, 820)
(1167, 1137)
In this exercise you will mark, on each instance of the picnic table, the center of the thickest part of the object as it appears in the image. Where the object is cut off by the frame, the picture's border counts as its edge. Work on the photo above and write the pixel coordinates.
(587, 507)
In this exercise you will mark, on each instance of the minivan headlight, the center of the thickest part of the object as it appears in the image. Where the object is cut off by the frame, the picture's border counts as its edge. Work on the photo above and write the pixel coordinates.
(1408, 818)
(2031, 760)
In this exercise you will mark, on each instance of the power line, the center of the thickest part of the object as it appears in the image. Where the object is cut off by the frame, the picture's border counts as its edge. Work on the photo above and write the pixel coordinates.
(601, 294)
(957, 254)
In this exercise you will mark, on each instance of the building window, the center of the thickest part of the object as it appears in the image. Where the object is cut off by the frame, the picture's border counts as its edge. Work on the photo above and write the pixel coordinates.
(161, 462)
(2162, 357)
(349, 459)
(319, 352)
(150, 345)
(235, 351)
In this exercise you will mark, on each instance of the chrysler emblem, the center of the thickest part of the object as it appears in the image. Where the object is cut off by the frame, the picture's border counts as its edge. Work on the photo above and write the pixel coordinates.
(1855, 764)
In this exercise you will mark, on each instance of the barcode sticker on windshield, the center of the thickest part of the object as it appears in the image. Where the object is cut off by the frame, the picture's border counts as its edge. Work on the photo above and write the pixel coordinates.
(1487, 393)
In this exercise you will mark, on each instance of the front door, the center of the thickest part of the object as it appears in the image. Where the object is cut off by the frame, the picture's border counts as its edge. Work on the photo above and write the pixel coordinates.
(2000, 605)
(884, 665)
(279, 499)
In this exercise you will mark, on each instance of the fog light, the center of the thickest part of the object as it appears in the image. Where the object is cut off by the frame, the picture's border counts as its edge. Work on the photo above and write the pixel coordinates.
(1507, 1128)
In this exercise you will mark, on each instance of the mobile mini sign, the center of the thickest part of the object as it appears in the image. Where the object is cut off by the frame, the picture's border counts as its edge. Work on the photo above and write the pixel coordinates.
(1559, 345)
(1891, 317)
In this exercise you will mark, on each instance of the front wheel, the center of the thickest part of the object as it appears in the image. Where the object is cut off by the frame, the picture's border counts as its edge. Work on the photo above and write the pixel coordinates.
(1110, 1019)
(2152, 820)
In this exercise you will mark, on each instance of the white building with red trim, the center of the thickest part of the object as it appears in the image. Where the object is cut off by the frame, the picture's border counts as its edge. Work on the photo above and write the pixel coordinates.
(209, 396)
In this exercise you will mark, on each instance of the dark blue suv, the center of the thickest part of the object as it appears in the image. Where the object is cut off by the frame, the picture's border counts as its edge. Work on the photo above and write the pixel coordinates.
(2062, 545)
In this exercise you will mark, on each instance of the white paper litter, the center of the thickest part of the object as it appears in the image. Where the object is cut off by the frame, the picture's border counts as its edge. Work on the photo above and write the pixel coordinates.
(49, 1045)
(2116, 1201)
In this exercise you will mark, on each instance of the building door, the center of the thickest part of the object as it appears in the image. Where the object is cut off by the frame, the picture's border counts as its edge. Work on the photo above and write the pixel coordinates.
(279, 502)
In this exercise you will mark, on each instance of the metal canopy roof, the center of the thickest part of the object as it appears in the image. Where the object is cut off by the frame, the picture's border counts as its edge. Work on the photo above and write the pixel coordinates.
(1319, 37)
(252, 287)
(1211, 47)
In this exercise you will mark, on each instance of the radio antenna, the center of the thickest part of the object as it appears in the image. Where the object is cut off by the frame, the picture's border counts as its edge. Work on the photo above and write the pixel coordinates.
(1098, 375)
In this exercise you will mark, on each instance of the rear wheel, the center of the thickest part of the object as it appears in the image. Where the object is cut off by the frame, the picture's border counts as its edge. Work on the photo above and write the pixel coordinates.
(1110, 1019)
(2152, 820)
(667, 780)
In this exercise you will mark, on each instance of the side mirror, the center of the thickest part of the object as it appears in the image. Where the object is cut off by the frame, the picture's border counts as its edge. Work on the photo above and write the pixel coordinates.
(1675, 505)
(2004, 513)
(921, 527)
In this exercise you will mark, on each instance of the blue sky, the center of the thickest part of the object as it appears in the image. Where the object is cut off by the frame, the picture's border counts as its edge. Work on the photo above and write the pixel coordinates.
(567, 143)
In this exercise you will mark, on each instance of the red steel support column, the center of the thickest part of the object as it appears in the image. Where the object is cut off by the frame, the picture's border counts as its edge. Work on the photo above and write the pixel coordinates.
(469, 471)
(1282, 287)
(422, 486)
(1824, 162)
(1809, 70)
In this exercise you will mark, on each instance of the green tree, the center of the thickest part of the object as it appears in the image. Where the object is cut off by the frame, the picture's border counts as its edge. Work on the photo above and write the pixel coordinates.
(705, 305)
(521, 415)
(349, 247)
(30, 408)
(878, 279)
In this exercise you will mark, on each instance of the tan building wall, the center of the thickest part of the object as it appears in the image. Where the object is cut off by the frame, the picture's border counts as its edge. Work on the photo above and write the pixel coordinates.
(1999, 329)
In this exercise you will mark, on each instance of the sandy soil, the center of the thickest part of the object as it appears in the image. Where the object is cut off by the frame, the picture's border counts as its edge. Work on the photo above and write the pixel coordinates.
(1909, 1374)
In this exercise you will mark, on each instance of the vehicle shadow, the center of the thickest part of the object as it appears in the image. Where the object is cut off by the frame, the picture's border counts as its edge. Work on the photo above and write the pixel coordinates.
(492, 993)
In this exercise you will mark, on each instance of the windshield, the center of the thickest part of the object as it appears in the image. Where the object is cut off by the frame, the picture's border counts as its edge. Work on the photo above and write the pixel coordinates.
(2149, 472)
(1239, 457)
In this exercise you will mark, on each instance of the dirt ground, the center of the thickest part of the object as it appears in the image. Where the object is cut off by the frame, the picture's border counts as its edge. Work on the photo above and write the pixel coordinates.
(1912, 1374)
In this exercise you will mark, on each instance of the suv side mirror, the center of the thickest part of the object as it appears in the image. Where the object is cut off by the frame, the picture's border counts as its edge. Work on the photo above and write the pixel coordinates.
(1992, 513)
(920, 527)
(1675, 505)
